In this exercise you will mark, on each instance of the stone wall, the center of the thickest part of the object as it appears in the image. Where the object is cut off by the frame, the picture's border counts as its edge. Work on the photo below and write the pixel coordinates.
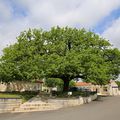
(72, 102)
(12, 105)
(8, 105)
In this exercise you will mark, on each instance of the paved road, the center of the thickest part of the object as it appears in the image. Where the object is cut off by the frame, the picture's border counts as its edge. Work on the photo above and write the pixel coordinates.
(106, 109)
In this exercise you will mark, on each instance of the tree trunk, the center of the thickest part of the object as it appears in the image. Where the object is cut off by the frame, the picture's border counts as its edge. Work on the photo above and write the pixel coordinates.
(66, 85)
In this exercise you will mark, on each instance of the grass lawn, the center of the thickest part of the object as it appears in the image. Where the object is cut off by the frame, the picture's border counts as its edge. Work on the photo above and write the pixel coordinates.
(18, 95)
(9, 95)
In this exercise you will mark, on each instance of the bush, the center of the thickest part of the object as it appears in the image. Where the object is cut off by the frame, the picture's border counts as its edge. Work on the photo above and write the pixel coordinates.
(74, 94)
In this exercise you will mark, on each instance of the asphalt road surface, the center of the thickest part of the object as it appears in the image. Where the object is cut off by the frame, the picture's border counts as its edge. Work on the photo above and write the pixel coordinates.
(108, 108)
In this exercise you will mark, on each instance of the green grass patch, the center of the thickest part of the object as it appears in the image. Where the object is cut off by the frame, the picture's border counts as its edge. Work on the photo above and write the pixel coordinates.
(8, 95)
(18, 95)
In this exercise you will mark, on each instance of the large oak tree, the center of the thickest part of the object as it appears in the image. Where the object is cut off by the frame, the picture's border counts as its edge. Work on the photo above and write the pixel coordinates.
(64, 53)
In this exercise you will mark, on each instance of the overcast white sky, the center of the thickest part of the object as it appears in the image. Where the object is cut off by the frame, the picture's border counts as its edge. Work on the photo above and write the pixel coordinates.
(100, 16)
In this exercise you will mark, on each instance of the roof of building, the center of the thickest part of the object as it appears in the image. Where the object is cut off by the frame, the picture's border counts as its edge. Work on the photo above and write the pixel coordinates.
(82, 84)
(39, 81)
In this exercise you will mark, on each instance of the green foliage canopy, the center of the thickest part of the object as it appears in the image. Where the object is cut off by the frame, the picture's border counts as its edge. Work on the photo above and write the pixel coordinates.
(64, 53)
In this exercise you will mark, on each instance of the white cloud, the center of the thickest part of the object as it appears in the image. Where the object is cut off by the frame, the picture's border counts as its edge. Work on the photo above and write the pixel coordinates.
(113, 33)
(47, 13)
(64, 12)
(5, 12)
(9, 32)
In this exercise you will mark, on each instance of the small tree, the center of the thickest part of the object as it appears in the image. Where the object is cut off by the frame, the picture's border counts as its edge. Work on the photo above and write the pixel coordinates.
(54, 82)
(72, 83)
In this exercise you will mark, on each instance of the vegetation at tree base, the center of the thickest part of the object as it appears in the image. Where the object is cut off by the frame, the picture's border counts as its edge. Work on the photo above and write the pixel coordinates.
(64, 53)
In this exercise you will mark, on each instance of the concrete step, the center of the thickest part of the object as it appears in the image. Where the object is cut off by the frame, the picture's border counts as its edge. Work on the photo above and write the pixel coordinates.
(6, 110)
(6, 107)
(36, 106)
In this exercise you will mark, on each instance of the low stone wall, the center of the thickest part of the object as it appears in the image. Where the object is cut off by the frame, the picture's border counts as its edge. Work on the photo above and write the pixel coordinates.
(36, 106)
(8, 105)
(72, 102)
(14, 105)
